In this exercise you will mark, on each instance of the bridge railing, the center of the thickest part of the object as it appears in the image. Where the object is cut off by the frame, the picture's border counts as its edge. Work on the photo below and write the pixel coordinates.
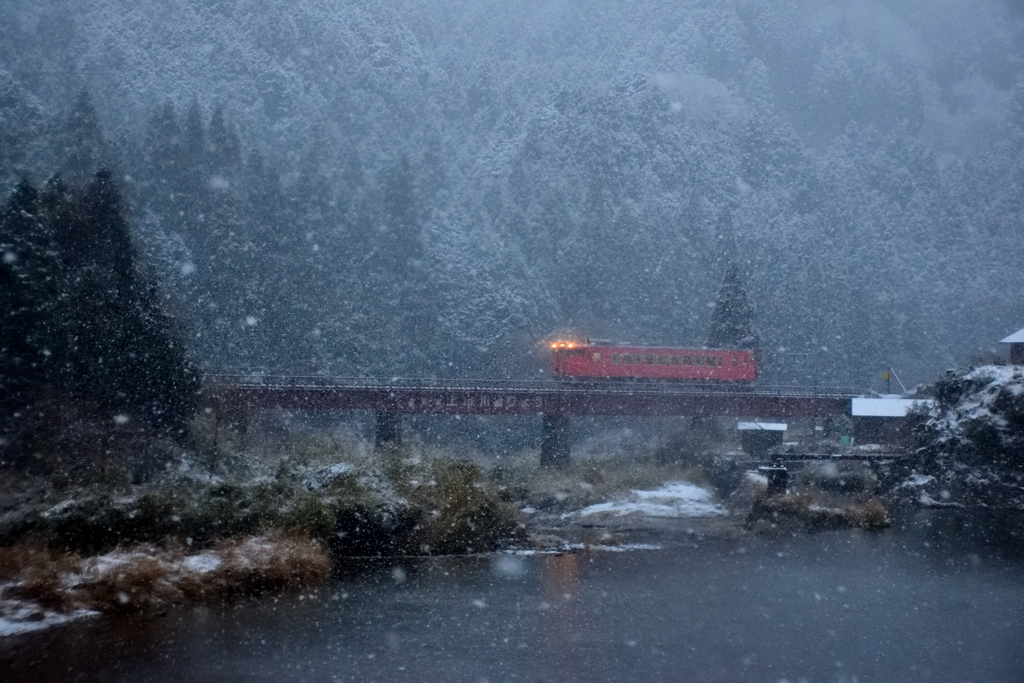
(317, 382)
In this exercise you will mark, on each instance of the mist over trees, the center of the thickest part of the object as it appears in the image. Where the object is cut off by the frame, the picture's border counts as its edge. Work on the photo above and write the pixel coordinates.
(405, 188)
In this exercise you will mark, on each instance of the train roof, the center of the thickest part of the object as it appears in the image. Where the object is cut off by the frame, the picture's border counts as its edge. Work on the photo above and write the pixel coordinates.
(627, 345)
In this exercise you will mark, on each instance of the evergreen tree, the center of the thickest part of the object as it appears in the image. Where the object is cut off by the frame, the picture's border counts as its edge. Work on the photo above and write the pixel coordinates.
(732, 323)
(224, 147)
(21, 125)
(163, 149)
(31, 339)
(125, 356)
(194, 137)
(85, 148)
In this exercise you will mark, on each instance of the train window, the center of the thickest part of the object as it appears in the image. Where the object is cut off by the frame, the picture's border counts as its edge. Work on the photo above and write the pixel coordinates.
(673, 360)
(662, 359)
(714, 362)
(700, 361)
(596, 357)
(734, 361)
(687, 360)
(649, 359)
(615, 359)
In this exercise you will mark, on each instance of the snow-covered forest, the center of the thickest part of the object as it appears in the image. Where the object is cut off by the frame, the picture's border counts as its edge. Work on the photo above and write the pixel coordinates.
(430, 188)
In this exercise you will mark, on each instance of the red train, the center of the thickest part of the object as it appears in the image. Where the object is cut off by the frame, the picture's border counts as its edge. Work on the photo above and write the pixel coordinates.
(584, 360)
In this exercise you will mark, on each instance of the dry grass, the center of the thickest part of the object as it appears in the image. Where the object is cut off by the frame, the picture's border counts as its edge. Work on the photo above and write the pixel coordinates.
(270, 563)
(36, 573)
(146, 577)
(813, 512)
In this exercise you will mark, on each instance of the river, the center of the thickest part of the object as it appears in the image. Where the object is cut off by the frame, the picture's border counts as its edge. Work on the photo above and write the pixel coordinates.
(907, 604)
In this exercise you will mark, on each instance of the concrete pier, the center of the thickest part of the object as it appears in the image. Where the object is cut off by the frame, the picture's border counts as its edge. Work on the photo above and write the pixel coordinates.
(554, 442)
(388, 430)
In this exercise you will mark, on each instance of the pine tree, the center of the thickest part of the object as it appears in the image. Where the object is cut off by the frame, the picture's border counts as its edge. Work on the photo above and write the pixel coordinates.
(194, 137)
(84, 144)
(163, 149)
(21, 124)
(225, 149)
(125, 356)
(732, 323)
(31, 338)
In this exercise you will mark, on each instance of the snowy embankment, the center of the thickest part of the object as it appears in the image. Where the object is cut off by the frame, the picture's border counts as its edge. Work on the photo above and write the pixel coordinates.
(673, 499)
(46, 588)
(971, 442)
(985, 394)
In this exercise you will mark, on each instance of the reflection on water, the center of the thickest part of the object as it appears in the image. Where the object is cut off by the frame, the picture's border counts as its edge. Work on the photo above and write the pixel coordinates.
(563, 621)
(931, 600)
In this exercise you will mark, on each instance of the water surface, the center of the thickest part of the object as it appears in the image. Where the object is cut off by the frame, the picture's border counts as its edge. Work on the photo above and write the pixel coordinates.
(906, 605)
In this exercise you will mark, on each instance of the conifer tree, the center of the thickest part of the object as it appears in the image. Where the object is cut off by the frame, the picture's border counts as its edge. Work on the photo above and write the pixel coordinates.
(31, 338)
(732, 322)
(125, 355)
(86, 148)
(194, 136)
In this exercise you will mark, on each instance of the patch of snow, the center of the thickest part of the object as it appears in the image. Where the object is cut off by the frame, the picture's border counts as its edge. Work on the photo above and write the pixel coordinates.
(61, 507)
(626, 547)
(201, 563)
(323, 477)
(756, 477)
(17, 617)
(674, 499)
(916, 480)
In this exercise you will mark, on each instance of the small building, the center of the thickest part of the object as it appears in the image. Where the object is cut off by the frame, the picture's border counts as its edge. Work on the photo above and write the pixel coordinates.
(883, 420)
(1016, 342)
(760, 437)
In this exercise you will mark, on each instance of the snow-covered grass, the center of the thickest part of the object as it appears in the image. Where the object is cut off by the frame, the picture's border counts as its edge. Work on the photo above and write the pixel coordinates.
(46, 587)
(673, 499)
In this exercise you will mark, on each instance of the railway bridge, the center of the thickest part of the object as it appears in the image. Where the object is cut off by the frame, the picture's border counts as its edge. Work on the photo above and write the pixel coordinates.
(555, 402)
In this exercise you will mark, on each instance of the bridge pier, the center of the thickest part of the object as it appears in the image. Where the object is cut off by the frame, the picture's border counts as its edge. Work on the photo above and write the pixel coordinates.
(388, 429)
(554, 441)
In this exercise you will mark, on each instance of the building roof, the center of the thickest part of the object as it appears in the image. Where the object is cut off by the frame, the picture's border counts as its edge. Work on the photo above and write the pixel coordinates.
(1015, 338)
(884, 407)
(767, 426)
